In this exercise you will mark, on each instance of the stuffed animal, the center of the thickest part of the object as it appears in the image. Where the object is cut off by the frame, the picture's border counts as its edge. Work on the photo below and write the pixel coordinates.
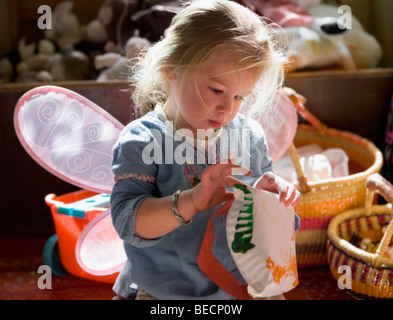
(66, 30)
(112, 27)
(324, 43)
(115, 66)
(154, 20)
(312, 49)
(286, 13)
(364, 47)
(48, 65)
(72, 65)
(118, 20)
(54, 57)
(316, 40)
(33, 59)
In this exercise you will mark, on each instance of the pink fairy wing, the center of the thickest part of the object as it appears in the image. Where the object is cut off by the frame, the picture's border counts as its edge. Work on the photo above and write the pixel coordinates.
(68, 135)
(280, 128)
(99, 250)
(281, 131)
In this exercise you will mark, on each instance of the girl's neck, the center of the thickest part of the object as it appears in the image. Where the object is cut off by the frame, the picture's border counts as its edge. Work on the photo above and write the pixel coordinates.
(191, 135)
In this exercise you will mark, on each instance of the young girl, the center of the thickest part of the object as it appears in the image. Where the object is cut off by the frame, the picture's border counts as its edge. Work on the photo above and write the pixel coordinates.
(173, 166)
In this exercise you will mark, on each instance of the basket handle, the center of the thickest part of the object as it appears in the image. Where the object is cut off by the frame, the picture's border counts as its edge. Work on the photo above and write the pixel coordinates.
(298, 102)
(384, 243)
(377, 183)
(303, 185)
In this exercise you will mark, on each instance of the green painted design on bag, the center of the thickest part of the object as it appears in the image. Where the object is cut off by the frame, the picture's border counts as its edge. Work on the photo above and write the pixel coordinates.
(245, 222)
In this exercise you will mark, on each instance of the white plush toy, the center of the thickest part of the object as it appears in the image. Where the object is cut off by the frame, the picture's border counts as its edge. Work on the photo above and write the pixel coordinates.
(115, 66)
(364, 47)
(325, 43)
(66, 30)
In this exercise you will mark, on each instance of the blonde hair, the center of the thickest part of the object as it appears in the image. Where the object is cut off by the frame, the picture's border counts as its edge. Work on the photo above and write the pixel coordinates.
(199, 32)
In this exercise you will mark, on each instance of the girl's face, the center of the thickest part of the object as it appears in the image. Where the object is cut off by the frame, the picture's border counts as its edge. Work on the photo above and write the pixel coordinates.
(209, 98)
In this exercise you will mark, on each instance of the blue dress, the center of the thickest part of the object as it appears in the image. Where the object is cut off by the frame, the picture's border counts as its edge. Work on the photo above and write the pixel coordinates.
(151, 159)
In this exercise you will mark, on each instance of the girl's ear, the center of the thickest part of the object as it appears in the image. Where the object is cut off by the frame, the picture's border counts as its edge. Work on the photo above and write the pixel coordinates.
(169, 74)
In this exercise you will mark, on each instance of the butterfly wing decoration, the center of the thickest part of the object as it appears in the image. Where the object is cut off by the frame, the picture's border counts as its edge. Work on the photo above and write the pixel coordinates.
(280, 126)
(73, 138)
(281, 129)
(99, 250)
(68, 135)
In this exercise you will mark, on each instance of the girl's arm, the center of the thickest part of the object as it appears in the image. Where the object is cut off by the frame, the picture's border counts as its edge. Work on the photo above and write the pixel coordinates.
(154, 217)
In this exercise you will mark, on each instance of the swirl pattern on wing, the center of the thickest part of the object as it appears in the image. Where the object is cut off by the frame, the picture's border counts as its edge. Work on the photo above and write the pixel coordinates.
(70, 136)
(99, 250)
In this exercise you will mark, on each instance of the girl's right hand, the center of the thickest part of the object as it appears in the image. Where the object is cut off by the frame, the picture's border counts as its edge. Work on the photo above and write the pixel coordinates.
(211, 191)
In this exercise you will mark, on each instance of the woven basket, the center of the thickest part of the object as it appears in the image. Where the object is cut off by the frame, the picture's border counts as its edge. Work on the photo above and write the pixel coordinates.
(371, 274)
(323, 200)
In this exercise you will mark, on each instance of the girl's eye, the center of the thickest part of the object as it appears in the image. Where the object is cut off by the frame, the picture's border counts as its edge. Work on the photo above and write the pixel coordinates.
(238, 98)
(216, 91)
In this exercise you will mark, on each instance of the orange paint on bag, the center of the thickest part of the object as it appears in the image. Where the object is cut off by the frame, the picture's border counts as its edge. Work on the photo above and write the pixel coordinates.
(293, 267)
(279, 272)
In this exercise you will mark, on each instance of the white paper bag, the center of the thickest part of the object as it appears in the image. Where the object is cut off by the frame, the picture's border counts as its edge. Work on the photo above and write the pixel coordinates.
(261, 237)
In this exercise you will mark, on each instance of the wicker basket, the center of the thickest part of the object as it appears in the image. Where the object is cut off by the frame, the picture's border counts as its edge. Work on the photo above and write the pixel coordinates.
(371, 274)
(323, 200)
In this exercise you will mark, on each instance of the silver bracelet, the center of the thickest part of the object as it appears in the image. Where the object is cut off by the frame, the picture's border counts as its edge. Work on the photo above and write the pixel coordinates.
(175, 211)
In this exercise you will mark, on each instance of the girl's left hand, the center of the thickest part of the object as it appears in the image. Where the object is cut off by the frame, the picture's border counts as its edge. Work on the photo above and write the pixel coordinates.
(287, 192)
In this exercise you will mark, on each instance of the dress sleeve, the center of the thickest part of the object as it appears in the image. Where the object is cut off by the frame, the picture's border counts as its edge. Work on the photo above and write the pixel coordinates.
(266, 163)
(135, 176)
(259, 147)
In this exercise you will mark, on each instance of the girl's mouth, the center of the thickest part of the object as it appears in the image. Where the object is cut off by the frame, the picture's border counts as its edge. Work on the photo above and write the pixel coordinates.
(215, 124)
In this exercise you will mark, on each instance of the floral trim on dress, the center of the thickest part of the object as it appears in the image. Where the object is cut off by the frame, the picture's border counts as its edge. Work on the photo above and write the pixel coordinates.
(190, 174)
(141, 177)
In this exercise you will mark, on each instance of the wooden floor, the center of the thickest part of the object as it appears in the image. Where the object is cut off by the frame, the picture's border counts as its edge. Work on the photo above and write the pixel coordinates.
(21, 256)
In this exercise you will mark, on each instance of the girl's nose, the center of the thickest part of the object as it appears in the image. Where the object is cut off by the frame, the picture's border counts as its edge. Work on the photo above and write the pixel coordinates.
(226, 105)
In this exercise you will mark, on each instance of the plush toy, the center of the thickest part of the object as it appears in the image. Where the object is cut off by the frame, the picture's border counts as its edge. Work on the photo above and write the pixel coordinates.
(324, 43)
(33, 59)
(312, 49)
(118, 20)
(286, 13)
(66, 30)
(72, 65)
(112, 27)
(364, 47)
(153, 21)
(115, 66)
(316, 40)
(54, 57)
(47, 65)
